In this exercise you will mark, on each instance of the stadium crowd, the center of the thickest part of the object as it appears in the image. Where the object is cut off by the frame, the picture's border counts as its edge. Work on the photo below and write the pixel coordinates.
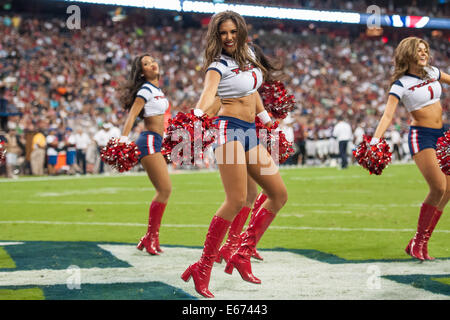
(58, 87)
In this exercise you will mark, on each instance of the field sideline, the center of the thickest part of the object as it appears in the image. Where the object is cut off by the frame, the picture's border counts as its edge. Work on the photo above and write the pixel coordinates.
(337, 217)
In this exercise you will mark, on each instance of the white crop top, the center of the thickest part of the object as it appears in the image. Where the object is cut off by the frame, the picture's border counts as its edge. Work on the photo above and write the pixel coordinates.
(416, 93)
(234, 82)
(155, 100)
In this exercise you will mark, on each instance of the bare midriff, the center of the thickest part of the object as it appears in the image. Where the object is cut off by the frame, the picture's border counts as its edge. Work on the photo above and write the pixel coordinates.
(243, 108)
(429, 116)
(155, 124)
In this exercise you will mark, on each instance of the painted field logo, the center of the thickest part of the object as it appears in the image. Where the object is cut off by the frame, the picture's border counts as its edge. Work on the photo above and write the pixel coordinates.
(94, 271)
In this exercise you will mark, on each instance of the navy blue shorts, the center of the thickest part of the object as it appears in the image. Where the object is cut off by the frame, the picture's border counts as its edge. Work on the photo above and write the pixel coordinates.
(420, 138)
(149, 142)
(52, 160)
(233, 129)
(71, 157)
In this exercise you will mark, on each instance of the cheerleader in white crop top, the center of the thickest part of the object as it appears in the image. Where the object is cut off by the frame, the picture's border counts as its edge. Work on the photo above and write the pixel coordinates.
(236, 82)
(418, 87)
(415, 92)
(234, 72)
(142, 97)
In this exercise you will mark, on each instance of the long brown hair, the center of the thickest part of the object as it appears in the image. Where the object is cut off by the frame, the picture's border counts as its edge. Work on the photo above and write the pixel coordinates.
(134, 82)
(214, 45)
(406, 54)
(274, 68)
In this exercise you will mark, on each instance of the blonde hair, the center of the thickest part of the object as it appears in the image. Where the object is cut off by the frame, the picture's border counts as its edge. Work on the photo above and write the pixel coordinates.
(406, 54)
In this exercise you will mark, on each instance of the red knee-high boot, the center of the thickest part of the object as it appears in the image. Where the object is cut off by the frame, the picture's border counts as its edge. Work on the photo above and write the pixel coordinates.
(415, 246)
(241, 258)
(201, 270)
(258, 203)
(234, 236)
(151, 240)
(429, 232)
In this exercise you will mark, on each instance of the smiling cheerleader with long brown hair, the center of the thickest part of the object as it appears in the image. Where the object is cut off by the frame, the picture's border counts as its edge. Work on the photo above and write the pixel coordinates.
(418, 86)
(234, 72)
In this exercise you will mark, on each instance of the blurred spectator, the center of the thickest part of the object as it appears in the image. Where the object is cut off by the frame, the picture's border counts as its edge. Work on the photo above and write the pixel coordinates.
(14, 150)
(38, 152)
(5, 145)
(52, 150)
(101, 138)
(300, 141)
(358, 133)
(71, 151)
(82, 141)
(3, 110)
(28, 141)
(394, 139)
(299, 132)
(343, 134)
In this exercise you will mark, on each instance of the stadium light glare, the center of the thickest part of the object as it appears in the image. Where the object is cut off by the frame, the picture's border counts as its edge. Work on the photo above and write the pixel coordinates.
(261, 11)
(166, 4)
(174, 5)
(272, 12)
(198, 7)
(128, 3)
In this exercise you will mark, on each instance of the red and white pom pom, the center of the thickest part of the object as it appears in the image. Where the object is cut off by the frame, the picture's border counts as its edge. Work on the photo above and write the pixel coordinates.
(285, 149)
(275, 99)
(187, 127)
(2, 153)
(120, 156)
(443, 152)
(373, 157)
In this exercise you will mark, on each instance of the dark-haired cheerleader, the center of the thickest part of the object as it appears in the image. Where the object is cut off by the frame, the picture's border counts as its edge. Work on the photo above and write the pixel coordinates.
(142, 97)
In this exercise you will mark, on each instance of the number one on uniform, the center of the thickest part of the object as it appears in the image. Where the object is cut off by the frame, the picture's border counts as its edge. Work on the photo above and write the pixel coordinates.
(431, 92)
(256, 80)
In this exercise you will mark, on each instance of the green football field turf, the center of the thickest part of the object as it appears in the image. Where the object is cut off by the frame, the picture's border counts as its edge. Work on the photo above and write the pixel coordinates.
(347, 213)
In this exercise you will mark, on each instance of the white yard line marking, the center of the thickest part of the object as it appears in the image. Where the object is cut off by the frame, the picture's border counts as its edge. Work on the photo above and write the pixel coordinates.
(293, 204)
(107, 191)
(98, 176)
(129, 224)
(357, 205)
(288, 215)
(115, 203)
(10, 243)
(50, 202)
(283, 171)
(326, 178)
(91, 191)
(331, 211)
